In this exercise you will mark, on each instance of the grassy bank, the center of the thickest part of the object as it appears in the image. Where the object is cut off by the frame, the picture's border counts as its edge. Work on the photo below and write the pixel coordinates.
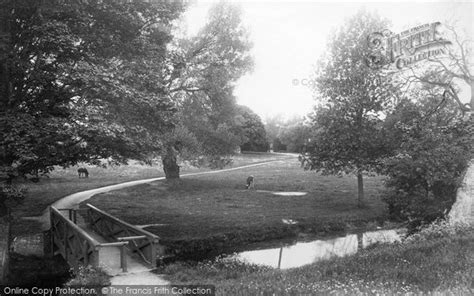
(203, 214)
(440, 259)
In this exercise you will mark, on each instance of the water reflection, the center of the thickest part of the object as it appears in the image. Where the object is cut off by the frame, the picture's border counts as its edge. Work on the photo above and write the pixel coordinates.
(309, 252)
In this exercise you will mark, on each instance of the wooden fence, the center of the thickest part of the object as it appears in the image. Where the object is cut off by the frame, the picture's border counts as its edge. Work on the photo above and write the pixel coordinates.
(75, 245)
(141, 242)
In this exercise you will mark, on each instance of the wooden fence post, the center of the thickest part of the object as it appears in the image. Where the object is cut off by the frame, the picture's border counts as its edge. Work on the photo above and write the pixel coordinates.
(94, 258)
(153, 245)
(279, 258)
(65, 243)
(123, 258)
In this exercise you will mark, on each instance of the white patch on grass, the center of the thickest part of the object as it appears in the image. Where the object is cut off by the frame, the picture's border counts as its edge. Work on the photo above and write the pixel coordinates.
(295, 193)
(289, 221)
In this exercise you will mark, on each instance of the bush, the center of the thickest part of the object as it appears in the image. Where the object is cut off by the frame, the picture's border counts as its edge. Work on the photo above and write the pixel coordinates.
(89, 276)
(428, 165)
(9, 193)
(439, 229)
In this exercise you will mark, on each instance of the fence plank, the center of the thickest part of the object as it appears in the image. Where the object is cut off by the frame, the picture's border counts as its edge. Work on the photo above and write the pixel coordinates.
(142, 242)
(74, 244)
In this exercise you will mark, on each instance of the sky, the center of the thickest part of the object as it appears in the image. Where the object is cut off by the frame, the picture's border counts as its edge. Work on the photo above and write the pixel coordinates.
(290, 36)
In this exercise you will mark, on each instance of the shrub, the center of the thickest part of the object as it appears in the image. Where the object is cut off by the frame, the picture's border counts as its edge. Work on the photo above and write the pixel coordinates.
(439, 229)
(88, 276)
(10, 193)
(432, 152)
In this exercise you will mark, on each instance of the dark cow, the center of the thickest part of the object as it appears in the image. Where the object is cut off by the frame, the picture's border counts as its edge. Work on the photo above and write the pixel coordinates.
(83, 172)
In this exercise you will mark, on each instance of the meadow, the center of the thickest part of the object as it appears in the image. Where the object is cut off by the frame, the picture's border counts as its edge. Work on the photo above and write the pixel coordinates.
(64, 181)
(202, 215)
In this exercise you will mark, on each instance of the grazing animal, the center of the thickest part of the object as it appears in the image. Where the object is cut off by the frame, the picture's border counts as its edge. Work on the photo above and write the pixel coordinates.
(83, 172)
(250, 182)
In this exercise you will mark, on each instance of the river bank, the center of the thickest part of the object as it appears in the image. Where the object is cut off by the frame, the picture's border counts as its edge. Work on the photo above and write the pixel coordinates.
(439, 259)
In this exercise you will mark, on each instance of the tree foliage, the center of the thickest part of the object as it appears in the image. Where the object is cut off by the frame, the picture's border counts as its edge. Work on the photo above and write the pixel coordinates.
(430, 134)
(253, 130)
(86, 83)
(291, 134)
(348, 128)
(432, 147)
(205, 69)
(273, 127)
(295, 135)
(446, 72)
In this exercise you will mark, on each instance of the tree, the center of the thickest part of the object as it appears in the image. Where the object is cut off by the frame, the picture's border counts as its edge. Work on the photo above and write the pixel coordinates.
(273, 127)
(348, 129)
(201, 82)
(433, 146)
(255, 138)
(290, 134)
(430, 134)
(445, 71)
(84, 83)
(295, 135)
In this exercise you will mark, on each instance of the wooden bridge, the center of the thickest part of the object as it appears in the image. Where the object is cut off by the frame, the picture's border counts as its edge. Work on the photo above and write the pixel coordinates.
(97, 238)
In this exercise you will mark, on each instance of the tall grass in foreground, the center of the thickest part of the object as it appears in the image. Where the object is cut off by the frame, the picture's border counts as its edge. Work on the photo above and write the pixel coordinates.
(439, 259)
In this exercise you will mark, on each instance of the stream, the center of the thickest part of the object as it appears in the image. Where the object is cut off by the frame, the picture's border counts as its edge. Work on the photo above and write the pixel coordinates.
(302, 253)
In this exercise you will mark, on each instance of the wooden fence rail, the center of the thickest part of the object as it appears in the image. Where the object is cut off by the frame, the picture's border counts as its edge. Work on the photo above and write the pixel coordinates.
(75, 245)
(140, 241)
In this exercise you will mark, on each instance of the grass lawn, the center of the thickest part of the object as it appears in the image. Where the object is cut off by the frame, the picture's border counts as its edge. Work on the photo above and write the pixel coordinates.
(62, 182)
(439, 260)
(212, 212)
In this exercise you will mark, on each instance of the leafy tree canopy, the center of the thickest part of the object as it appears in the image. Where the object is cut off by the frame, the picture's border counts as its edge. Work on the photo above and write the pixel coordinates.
(205, 69)
(432, 145)
(348, 127)
(255, 138)
(85, 82)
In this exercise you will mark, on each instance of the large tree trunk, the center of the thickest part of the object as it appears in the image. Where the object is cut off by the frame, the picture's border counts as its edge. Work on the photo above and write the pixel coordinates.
(170, 163)
(360, 189)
